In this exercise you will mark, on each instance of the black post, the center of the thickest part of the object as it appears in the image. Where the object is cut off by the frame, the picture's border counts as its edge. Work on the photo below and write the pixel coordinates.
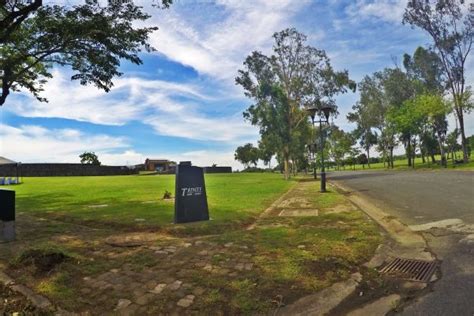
(315, 173)
(323, 171)
(7, 215)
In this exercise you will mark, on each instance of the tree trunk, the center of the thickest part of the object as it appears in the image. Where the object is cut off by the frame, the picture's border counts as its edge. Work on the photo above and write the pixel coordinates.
(465, 155)
(391, 157)
(286, 162)
(408, 151)
(444, 162)
(368, 157)
(433, 159)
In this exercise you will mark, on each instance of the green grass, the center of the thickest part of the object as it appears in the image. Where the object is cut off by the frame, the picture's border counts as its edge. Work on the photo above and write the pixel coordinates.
(419, 165)
(124, 199)
(291, 256)
(296, 256)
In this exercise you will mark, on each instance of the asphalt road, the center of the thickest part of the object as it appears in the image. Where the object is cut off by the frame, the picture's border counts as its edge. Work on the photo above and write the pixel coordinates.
(424, 197)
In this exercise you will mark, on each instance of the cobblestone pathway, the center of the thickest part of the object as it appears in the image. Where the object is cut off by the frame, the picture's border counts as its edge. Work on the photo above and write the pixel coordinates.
(167, 286)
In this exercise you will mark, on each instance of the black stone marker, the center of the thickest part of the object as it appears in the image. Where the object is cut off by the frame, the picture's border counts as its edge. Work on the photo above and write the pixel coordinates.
(190, 196)
(7, 205)
(7, 215)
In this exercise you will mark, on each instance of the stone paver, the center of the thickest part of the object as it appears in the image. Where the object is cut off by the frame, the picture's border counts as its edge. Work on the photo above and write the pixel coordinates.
(122, 304)
(186, 301)
(175, 285)
(159, 288)
(166, 287)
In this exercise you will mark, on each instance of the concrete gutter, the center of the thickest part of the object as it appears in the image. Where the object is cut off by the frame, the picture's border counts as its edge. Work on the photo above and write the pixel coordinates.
(408, 244)
(324, 301)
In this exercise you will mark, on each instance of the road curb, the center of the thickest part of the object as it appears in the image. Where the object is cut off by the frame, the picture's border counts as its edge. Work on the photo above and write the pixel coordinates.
(323, 301)
(408, 244)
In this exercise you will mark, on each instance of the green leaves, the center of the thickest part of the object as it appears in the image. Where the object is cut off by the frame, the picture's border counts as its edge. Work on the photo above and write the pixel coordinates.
(247, 154)
(90, 38)
(89, 158)
(295, 76)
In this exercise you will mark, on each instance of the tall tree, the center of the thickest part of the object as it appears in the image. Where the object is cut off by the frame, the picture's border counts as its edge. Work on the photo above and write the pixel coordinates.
(375, 103)
(340, 145)
(399, 87)
(89, 158)
(452, 143)
(90, 38)
(433, 108)
(282, 84)
(265, 152)
(247, 154)
(365, 122)
(450, 23)
(408, 121)
(426, 67)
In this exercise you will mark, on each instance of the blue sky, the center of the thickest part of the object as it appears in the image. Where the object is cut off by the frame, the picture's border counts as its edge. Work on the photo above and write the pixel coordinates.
(182, 103)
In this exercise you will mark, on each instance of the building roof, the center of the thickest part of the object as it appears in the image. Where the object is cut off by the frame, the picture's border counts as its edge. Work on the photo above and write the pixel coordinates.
(158, 160)
(6, 161)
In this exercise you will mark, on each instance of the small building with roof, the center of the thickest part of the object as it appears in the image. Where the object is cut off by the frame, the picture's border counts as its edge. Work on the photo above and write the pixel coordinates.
(160, 165)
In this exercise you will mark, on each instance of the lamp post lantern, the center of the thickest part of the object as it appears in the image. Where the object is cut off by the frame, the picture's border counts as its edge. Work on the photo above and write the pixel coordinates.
(325, 110)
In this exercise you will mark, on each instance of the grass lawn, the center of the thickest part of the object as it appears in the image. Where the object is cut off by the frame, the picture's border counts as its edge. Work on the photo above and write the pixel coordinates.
(234, 199)
(64, 224)
(419, 165)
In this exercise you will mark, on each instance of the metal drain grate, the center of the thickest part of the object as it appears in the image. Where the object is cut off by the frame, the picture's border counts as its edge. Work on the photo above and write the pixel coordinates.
(415, 270)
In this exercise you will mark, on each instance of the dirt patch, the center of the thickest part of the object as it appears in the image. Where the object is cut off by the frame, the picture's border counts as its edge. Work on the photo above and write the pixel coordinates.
(295, 202)
(329, 264)
(340, 208)
(43, 261)
(133, 239)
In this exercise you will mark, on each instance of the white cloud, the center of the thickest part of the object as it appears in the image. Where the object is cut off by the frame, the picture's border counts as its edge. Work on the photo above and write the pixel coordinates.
(152, 102)
(386, 10)
(70, 100)
(32, 143)
(190, 126)
(218, 48)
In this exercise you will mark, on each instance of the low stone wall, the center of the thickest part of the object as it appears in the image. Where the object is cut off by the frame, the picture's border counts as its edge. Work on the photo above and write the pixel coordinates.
(217, 169)
(63, 169)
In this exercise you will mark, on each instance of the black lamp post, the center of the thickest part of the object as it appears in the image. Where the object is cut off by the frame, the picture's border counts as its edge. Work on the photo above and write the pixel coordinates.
(325, 110)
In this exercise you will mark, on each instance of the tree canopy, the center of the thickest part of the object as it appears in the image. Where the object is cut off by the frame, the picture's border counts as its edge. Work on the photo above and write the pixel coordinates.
(247, 154)
(282, 85)
(89, 158)
(91, 39)
(450, 23)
